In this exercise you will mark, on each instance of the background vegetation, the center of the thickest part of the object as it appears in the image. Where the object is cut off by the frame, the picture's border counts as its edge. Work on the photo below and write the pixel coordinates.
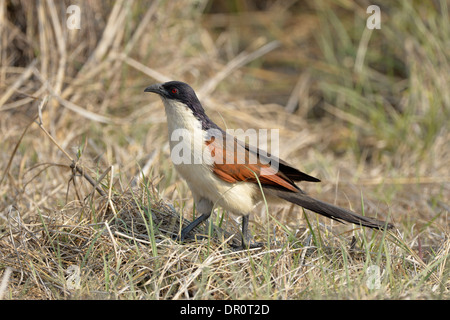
(367, 111)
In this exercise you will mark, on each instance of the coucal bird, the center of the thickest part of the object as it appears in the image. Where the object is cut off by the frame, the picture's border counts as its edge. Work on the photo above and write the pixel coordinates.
(222, 170)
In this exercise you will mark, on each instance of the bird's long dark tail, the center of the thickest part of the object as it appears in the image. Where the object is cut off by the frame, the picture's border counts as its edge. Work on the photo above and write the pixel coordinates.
(332, 211)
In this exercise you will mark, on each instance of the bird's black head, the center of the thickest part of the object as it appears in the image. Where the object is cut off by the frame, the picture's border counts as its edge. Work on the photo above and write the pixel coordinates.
(175, 90)
(182, 92)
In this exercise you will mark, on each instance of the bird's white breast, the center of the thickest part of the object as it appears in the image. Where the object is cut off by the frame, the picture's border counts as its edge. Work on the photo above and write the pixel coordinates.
(187, 145)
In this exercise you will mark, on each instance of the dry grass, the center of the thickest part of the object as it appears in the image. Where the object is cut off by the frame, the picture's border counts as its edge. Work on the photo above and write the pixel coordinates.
(366, 111)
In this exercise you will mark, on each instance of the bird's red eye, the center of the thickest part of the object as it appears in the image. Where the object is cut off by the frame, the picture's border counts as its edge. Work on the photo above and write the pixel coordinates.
(174, 90)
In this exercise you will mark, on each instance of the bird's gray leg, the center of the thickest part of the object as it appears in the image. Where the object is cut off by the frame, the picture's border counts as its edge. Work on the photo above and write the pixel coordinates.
(246, 242)
(245, 237)
(204, 206)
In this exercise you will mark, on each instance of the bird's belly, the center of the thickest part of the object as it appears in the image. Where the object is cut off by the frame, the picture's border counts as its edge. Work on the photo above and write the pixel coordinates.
(234, 197)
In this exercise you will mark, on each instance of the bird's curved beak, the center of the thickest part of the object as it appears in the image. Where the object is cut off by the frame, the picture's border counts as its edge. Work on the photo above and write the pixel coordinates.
(156, 88)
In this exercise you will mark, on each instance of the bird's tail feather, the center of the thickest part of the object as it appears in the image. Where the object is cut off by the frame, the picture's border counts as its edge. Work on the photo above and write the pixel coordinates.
(332, 211)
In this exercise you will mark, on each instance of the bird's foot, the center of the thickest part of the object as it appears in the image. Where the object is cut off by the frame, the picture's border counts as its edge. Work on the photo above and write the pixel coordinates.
(247, 245)
(178, 238)
(183, 237)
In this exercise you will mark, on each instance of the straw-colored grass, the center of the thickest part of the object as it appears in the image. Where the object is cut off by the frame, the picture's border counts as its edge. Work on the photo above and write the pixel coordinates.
(90, 204)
